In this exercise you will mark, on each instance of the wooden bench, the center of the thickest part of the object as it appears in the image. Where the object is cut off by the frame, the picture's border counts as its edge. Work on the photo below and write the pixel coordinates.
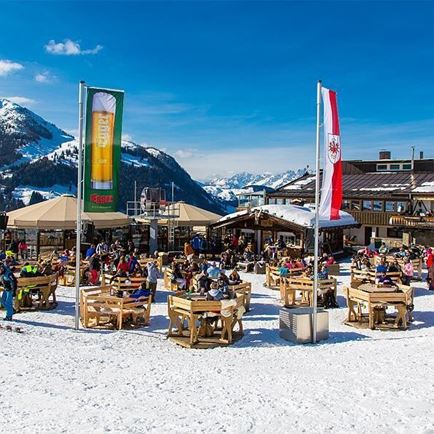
(245, 289)
(68, 278)
(244, 266)
(192, 311)
(97, 304)
(272, 276)
(44, 286)
(380, 298)
(334, 269)
(417, 263)
(124, 284)
(289, 286)
(168, 280)
(371, 276)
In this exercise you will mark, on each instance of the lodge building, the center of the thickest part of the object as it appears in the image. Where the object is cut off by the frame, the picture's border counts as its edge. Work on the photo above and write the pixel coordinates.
(393, 200)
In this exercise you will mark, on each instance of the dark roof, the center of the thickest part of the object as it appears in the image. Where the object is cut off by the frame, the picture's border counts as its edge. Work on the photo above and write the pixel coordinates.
(369, 185)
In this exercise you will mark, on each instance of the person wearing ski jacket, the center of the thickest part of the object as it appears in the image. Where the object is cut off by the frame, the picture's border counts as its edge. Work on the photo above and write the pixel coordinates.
(9, 283)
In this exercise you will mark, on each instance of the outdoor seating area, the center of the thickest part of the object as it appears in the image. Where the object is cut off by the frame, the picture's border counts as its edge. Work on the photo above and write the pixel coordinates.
(368, 305)
(104, 307)
(298, 291)
(36, 292)
(195, 322)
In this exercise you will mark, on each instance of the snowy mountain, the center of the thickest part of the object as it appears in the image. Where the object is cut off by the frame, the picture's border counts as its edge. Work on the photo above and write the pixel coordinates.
(227, 189)
(39, 161)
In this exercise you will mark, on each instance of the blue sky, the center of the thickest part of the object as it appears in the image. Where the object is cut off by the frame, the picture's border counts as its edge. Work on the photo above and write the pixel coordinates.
(228, 86)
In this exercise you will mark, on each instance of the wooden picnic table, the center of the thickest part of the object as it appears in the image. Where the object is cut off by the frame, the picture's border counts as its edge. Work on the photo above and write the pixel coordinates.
(378, 297)
(195, 308)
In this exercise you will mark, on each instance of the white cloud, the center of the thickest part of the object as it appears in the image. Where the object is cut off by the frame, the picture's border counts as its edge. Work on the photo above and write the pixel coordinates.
(7, 67)
(69, 48)
(44, 77)
(184, 153)
(21, 100)
(71, 131)
(127, 137)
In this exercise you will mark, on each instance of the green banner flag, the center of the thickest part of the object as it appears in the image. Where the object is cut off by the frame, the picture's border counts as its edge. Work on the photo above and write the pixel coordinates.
(102, 149)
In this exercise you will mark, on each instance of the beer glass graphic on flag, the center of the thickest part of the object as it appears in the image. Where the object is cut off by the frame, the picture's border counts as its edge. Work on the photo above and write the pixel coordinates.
(103, 119)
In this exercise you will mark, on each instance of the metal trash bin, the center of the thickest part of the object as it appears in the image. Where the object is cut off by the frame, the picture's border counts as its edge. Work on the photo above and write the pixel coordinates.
(296, 324)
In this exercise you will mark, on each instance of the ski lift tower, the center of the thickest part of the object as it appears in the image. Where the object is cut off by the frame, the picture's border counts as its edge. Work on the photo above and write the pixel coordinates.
(153, 207)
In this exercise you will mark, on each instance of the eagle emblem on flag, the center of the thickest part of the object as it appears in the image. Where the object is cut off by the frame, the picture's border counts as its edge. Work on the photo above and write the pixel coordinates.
(334, 148)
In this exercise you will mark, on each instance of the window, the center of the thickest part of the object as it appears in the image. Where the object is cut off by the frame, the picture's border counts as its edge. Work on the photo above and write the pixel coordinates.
(395, 166)
(394, 233)
(346, 204)
(378, 205)
(367, 205)
(280, 201)
(406, 166)
(401, 207)
(355, 205)
(389, 206)
(381, 166)
(272, 201)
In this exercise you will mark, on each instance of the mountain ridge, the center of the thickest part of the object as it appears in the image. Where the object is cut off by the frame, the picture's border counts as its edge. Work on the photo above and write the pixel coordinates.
(40, 160)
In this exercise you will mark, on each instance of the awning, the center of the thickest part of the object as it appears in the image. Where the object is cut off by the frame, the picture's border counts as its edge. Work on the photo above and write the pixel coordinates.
(61, 213)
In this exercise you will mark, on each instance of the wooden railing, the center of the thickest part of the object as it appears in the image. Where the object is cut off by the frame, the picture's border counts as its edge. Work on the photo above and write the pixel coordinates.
(413, 222)
(371, 218)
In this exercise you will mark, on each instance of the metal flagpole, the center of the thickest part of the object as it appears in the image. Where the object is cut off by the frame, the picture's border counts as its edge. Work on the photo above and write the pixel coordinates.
(79, 188)
(316, 234)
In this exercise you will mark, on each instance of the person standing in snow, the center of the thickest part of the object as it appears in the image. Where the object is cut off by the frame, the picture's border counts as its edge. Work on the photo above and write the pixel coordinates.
(9, 283)
(152, 278)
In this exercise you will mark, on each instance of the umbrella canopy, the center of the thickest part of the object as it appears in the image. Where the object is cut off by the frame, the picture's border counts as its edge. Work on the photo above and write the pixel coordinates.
(189, 215)
(61, 213)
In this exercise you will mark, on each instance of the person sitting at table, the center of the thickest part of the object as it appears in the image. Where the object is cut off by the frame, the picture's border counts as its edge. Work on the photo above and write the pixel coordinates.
(223, 280)
(394, 267)
(330, 260)
(121, 269)
(213, 271)
(401, 253)
(178, 276)
(46, 268)
(90, 251)
(234, 278)
(382, 266)
(188, 250)
(94, 269)
(203, 264)
(248, 254)
(142, 291)
(203, 282)
(323, 273)
(383, 250)
(407, 272)
(133, 265)
(29, 270)
(214, 293)
(384, 280)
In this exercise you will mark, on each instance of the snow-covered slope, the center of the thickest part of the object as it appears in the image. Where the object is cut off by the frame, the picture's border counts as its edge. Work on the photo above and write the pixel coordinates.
(25, 136)
(39, 160)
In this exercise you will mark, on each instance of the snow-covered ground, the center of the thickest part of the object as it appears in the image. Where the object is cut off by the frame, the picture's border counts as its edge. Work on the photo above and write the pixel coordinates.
(57, 380)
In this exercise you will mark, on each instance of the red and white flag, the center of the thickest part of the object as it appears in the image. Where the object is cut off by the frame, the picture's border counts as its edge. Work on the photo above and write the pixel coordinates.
(331, 190)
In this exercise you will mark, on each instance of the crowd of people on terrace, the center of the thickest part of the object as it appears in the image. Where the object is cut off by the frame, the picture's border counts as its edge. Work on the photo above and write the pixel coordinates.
(195, 272)
(394, 261)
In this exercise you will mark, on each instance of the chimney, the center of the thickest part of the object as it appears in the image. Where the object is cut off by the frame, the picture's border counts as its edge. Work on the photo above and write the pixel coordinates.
(421, 155)
(385, 155)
